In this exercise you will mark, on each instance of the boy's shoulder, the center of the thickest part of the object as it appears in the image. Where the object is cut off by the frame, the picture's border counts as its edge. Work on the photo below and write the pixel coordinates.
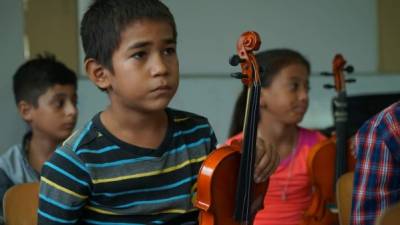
(385, 121)
(80, 137)
(15, 165)
(91, 135)
(11, 155)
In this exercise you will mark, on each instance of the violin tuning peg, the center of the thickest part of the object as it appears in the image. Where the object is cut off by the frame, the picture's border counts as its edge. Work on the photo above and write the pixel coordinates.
(235, 60)
(329, 86)
(349, 69)
(238, 75)
(326, 74)
(351, 80)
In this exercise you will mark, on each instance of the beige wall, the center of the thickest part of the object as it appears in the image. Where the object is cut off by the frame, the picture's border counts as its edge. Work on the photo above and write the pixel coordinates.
(51, 25)
(389, 35)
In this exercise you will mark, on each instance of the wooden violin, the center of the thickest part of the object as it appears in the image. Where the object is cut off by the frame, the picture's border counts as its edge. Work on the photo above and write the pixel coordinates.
(331, 158)
(226, 193)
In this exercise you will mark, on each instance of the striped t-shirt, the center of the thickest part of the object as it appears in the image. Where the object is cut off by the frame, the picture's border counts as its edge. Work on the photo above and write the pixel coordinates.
(95, 178)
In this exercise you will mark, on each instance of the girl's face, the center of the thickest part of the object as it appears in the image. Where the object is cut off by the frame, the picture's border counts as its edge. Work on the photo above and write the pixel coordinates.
(286, 99)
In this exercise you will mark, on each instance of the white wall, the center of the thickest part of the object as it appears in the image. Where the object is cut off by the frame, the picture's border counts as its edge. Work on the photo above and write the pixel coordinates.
(208, 30)
(207, 34)
(214, 96)
(11, 55)
(319, 114)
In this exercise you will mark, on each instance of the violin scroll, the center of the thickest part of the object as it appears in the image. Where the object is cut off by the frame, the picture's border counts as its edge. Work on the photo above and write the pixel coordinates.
(339, 66)
(248, 42)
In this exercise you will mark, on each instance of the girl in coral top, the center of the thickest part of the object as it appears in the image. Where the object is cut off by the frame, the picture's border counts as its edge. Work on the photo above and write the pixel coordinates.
(283, 103)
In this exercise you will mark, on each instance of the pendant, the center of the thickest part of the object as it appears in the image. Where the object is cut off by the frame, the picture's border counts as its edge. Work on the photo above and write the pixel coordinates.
(283, 196)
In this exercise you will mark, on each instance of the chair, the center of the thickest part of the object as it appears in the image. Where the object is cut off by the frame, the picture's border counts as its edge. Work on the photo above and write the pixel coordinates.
(390, 216)
(344, 189)
(20, 204)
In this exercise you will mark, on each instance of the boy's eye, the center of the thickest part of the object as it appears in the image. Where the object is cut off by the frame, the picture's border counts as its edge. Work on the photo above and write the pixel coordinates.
(139, 55)
(293, 86)
(59, 103)
(169, 51)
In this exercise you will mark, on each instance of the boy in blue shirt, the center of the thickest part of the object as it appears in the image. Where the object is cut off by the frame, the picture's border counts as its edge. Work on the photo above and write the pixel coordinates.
(45, 94)
(137, 161)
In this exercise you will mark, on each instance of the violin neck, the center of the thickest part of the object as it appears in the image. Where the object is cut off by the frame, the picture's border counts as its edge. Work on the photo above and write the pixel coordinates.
(341, 118)
(245, 181)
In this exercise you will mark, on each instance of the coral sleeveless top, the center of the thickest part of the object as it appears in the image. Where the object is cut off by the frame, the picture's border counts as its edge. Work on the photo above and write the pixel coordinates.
(289, 190)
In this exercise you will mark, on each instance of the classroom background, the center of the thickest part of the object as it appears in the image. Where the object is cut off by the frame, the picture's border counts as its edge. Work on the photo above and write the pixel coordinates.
(366, 32)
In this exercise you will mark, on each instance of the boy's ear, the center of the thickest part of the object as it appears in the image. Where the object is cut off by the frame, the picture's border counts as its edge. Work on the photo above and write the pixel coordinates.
(25, 109)
(97, 73)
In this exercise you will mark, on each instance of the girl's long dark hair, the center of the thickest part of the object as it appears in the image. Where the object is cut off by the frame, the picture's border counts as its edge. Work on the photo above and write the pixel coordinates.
(271, 62)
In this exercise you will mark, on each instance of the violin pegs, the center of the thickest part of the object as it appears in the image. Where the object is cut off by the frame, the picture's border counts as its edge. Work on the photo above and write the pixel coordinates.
(349, 69)
(329, 86)
(351, 80)
(235, 60)
(238, 75)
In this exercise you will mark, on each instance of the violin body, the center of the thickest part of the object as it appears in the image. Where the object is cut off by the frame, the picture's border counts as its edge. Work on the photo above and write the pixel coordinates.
(216, 188)
(321, 166)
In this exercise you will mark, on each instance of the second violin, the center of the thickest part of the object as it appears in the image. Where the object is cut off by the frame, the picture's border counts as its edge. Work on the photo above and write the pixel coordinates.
(331, 158)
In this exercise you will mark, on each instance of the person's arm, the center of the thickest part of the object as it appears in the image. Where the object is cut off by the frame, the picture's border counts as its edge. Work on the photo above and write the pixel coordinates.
(64, 189)
(374, 178)
(5, 184)
(267, 157)
(267, 160)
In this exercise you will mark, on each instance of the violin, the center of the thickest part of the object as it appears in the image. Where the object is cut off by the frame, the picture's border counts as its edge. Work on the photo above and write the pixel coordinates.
(226, 192)
(331, 158)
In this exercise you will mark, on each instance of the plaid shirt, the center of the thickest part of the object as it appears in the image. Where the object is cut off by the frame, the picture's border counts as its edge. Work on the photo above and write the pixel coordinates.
(377, 172)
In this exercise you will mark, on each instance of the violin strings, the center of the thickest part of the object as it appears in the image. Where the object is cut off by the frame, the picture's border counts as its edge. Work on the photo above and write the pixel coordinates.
(250, 152)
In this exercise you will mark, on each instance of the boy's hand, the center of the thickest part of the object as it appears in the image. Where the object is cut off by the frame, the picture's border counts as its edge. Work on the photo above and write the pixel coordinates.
(267, 160)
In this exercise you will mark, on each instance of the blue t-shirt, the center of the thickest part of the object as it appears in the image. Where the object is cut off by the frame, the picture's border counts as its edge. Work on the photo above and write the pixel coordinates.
(95, 178)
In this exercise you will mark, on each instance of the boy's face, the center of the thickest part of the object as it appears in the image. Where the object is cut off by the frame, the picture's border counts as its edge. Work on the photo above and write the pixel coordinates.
(145, 76)
(55, 115)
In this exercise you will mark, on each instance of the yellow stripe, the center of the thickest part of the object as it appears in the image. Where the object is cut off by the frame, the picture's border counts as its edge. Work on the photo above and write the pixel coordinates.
(180, 211)
(63, 189)
(194, 188)
(167, 170)
(181, 119)
(101, 211)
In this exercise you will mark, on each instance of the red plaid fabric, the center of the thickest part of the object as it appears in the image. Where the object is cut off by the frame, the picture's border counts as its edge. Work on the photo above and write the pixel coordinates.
(377, 172)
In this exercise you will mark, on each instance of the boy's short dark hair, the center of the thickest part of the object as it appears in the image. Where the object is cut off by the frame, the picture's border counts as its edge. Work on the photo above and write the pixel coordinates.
(105, 20)
(36, 76)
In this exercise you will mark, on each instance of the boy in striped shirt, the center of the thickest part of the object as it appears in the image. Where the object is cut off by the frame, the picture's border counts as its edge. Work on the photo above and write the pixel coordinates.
(137, 161)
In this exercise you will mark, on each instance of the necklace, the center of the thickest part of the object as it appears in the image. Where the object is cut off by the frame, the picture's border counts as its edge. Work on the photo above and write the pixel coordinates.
(284, 193)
